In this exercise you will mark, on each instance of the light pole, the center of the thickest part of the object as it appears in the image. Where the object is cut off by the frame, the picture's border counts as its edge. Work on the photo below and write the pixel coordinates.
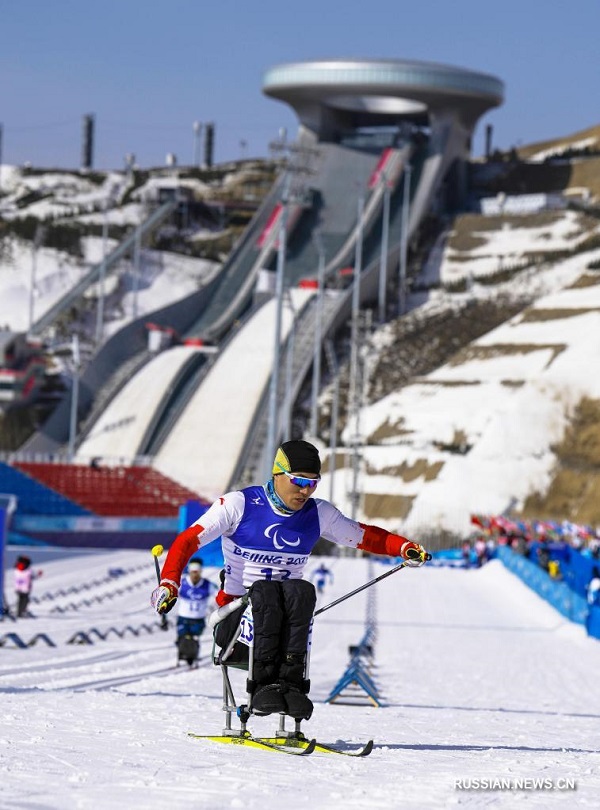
(289, 367)
(273, 411)
(385, 235)
(40, 232)
(353, 387)
(287, 195)
(197, 128)
(137, 250)
(335, 405)
(74, 396)
(32, 283)
(8, 506)
(316, 377)
(404, 241)
(101, 278)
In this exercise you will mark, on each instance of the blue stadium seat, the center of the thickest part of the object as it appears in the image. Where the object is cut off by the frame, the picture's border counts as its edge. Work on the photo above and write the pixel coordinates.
(35, 498)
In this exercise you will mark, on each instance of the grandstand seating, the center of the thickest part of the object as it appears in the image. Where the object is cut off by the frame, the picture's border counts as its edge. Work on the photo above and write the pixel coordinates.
(113, 491)
(33, 497)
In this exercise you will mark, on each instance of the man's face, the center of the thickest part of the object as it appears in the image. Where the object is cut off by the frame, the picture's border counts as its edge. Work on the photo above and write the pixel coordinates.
(293, 496)
(195, 575)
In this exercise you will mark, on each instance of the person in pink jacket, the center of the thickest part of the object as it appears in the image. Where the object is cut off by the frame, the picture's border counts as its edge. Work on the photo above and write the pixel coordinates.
(24, 577)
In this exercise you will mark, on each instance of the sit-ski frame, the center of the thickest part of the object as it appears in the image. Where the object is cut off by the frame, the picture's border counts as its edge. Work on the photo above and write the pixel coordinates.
(244, 711)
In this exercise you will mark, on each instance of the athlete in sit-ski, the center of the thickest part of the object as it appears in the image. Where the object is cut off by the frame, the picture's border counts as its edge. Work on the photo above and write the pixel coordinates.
(268, 533)
(196, 594)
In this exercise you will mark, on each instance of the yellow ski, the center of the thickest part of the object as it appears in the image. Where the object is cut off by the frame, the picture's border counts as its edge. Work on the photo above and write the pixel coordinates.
(301, 748)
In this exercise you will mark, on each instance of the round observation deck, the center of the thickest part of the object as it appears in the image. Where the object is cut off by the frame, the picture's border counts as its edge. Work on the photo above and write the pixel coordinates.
(340, 93)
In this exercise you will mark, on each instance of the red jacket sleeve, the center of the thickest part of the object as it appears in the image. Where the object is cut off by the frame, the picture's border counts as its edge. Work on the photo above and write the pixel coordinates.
(184, 545)
(380, 541)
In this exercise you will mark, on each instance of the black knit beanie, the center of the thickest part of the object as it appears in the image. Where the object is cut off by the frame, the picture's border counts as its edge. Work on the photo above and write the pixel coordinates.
(297, 456)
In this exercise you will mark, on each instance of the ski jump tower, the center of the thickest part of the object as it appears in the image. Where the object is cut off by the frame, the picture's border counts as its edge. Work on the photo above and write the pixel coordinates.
(335, 96)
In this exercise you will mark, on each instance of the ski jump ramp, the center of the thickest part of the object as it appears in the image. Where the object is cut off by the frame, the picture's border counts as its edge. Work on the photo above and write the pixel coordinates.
(335, 100)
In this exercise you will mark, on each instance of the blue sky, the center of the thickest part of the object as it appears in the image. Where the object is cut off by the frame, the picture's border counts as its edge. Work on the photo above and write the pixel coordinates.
(148, 70)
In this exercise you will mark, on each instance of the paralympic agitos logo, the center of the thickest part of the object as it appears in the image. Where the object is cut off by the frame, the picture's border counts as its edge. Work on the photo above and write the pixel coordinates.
(274, 534)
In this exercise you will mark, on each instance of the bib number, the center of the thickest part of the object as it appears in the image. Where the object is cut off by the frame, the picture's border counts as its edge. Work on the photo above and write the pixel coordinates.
(246, 635)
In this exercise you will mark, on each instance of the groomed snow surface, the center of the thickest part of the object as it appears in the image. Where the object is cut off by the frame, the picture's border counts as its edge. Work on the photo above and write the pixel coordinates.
(480, 679)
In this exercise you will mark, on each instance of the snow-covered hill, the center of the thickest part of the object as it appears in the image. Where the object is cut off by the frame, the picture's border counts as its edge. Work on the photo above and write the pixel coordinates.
(33, 279)
(476, 434)
(505, 399)
(479, 679)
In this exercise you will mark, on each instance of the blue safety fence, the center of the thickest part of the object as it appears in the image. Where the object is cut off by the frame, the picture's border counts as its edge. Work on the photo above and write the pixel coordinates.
(3, 532)
(592, 622)
(572, 566)
(91, 531)
(357, 685)
(84, 530)
(451, 558)
(558, 593)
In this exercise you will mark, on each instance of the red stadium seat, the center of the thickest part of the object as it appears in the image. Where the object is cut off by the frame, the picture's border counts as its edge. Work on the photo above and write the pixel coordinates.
(113, 491)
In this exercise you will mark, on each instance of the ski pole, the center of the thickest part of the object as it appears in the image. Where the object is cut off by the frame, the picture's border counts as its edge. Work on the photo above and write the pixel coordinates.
(361, 588)
(156, 552)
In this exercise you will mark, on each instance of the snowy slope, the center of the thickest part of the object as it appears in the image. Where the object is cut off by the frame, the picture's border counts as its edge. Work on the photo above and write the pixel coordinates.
(480, 680)
(511, 394)
(511, 397)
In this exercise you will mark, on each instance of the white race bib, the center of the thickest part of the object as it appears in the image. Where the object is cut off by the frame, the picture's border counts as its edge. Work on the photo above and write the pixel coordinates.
(246, 635)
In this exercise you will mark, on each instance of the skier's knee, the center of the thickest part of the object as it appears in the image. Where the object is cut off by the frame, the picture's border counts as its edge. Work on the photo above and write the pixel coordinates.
(300, 598)
(267, 608)
(267, 614)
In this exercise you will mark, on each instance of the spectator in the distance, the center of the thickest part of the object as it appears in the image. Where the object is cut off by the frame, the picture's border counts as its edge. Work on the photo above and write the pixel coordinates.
(23, 579)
